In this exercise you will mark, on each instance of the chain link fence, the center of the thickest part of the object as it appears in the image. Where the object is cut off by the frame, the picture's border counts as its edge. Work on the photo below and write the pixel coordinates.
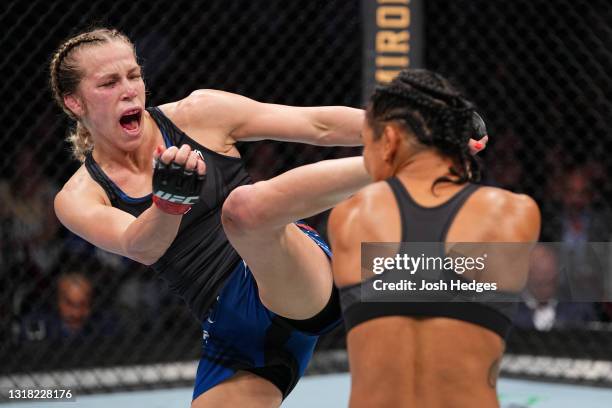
(541, 74)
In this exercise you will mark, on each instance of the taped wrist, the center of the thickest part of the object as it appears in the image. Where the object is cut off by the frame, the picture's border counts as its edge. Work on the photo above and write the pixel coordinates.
(170, 207)
(175, 189)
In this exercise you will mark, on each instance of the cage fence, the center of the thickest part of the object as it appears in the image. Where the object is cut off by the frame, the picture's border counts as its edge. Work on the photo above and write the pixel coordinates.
(540, 74)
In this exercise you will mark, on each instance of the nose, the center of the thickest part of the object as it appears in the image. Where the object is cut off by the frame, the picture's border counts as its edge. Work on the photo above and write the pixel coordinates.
(129, 90)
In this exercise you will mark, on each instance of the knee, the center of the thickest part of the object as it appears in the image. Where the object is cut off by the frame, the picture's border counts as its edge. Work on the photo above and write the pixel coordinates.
(241, 210)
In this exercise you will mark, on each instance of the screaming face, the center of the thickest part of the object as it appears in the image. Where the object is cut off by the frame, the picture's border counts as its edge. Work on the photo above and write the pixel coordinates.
(110, 98)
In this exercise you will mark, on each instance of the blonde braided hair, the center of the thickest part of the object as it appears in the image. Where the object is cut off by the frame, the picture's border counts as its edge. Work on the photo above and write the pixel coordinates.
(65, 76)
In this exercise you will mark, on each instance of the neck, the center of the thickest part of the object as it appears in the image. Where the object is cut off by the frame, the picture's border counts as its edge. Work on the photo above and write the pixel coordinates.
(137, 160)
(424, 165)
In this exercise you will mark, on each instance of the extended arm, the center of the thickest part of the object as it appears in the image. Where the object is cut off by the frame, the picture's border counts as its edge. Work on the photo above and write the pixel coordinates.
(244, 119)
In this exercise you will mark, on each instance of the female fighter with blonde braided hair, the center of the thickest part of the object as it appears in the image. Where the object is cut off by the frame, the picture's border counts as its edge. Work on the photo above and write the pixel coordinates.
(260, 284)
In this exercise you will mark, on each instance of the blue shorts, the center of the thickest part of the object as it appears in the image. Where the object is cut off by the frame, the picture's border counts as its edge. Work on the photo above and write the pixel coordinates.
(241, 334)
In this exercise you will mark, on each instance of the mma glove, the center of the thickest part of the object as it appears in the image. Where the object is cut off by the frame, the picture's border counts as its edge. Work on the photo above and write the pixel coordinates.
(175, 189)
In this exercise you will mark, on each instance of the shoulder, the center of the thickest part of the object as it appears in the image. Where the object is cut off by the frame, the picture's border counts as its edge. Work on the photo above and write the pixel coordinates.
(362, 216)
(78, 183)
(205, 99)
(506, 202)
(205, 105)
(365, 199)
(369, 216)
(79, 188)
(515, 215)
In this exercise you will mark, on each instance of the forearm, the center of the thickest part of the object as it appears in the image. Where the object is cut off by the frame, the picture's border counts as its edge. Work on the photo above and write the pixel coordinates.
(338, 125)
(149, 236)
(248, 120)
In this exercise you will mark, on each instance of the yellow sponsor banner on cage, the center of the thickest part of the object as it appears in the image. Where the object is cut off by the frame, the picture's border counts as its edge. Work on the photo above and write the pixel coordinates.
(393, 39)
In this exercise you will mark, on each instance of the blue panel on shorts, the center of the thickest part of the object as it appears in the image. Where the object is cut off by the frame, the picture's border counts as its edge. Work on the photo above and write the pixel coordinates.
(241, 334)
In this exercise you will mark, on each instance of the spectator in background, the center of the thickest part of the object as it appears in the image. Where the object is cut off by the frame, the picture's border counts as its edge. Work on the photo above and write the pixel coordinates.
(26, 211)
(542, 307)
(71, 316)
(30, 242)
(574, 219)
(74, 292)
(582, 222)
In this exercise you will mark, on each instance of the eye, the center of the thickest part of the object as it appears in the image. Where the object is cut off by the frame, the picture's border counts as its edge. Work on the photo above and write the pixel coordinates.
(108, 84)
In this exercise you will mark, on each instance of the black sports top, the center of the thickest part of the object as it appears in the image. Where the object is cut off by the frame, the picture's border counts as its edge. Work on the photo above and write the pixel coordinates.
(492, 311)
(201, 258)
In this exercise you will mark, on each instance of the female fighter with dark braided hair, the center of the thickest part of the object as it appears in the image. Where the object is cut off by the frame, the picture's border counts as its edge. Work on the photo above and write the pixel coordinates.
(404, 353)
(260, 284)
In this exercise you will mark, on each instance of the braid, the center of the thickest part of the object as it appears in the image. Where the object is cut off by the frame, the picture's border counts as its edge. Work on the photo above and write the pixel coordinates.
(60, 79)
(436, 113)
(80, 140)
(65, 76)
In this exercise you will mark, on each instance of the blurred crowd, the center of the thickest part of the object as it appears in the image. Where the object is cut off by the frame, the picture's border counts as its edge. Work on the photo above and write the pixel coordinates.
(56, 286)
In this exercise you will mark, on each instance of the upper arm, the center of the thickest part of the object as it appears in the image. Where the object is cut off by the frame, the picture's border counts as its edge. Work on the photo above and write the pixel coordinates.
(91, 219)
(344, 228)
(514, 227)
(527, 209)
(245, 119)
(525, 229)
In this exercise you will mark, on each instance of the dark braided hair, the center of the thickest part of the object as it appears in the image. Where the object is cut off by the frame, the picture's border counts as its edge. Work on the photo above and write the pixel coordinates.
(429, 107)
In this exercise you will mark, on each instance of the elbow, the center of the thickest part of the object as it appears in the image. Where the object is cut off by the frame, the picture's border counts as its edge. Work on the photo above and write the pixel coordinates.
(133, 251)
(326, 135)
(338, 126)
(328, 138)
(145, 260)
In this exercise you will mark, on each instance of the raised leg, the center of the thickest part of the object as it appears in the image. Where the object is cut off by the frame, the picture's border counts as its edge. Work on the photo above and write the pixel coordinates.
(293, 274)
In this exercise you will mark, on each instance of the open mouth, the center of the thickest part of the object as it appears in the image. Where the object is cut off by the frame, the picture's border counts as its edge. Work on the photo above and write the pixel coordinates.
(130, 120)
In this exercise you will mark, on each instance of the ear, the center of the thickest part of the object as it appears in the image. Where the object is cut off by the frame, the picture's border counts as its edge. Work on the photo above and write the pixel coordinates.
(391, 142)
(75, 105)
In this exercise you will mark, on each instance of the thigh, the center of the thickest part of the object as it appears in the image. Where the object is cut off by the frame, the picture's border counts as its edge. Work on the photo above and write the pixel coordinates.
(292, 272)
(242, 390)
(241, 335)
